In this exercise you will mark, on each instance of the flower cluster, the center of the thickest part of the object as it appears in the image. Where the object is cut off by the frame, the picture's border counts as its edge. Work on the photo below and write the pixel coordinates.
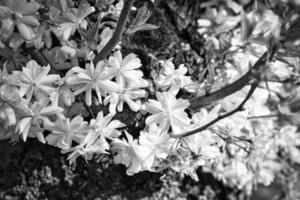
(47, 102)
(34, 101)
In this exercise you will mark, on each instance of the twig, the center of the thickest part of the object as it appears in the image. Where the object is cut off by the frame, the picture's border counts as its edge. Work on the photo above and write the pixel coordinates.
(252, 74)
(220, 117)
(263, 116)
(117, 35)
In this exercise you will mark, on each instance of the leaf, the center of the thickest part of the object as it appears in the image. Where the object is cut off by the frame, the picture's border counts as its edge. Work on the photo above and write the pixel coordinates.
(91, 33)
(70, 20)
(139, 22)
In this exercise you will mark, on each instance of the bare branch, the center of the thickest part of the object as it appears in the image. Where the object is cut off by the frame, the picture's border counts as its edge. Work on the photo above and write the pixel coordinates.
(117, 35)
(253, 73)
(220, 117)
(253, 77)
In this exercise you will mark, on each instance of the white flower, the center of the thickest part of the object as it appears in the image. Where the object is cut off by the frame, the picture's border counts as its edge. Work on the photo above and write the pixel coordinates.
(289, 139)
(203, 144)
(91, 78)
(127, 93)
(38, 116)
(95, 141)
(130, 153)
(169, 78)
(127, 68)
(168, 112)
(34, 80)
(106, 126)
(92, 143)
(158, 142)
(64, 131)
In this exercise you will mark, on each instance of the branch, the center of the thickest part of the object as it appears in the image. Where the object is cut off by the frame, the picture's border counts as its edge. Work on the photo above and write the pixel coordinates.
(253, 73)
(220, 117)
(117, 35)
(263, 116)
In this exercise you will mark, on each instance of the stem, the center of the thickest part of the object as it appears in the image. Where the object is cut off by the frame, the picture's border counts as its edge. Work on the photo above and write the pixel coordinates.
(220, 117)
(253, 73)
(117, 35)
(263, 116)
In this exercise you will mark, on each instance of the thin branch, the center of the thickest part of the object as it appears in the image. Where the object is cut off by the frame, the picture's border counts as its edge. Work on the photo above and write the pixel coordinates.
(117, 35)
(263, 116)
(220, 117)
(252, 74)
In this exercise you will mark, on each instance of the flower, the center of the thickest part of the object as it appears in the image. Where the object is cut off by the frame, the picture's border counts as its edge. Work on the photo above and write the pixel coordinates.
(127, 68)
(64, 131)
(34, 80)
(7, 115)
(168, 112)
(128, 93)
(169, 78)
(38, 116)
(159, 143)
(91, 78)
(289, 139)
(129, 153)
(92, 143)
(95, 141)
(106, 126)
(22, 14)
(203, 144)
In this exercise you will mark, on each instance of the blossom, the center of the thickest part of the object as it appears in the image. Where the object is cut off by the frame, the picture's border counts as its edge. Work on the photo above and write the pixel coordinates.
(38, 116)
(22, 14)
(168, 112)
(169, 78)
(127, 68)
(34, 80)
(91, 78)
(64, 131)
(159, 143)
(7, 115)
(289, 139)
(37, 132)
(203, 144)
(106, 126)
(101, 128)
(128, 93)
(129, 153)
(92, 143)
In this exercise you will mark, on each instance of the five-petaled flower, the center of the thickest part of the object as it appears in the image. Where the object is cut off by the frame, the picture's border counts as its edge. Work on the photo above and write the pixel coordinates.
(91, 78)
(38, 116)
(64, 131)
(34, 80)
(168, 112)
